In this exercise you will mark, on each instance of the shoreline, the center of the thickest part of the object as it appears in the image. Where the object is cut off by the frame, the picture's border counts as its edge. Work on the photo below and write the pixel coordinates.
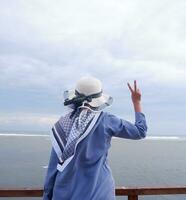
(47, 135)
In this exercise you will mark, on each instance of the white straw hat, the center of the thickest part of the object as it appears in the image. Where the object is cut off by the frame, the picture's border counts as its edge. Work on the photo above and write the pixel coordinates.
(91, 89)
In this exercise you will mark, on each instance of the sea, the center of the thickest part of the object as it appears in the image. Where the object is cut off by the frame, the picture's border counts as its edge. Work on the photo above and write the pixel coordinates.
(153, 161)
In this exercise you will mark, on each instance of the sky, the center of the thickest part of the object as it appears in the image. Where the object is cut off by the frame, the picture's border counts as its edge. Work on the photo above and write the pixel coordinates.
(46, 46)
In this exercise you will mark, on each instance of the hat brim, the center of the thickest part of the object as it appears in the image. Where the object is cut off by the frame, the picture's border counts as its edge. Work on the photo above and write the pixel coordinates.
(97, 104)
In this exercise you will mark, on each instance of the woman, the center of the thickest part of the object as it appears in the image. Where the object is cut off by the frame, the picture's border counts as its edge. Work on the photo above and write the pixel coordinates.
(78, 167)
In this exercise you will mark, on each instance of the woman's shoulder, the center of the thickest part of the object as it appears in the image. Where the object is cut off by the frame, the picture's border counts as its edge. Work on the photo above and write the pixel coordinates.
(109, 117)
(108, 114)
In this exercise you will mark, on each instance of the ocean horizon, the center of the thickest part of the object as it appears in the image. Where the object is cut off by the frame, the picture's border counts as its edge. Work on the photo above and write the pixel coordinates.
(152, 161)
(152, 137)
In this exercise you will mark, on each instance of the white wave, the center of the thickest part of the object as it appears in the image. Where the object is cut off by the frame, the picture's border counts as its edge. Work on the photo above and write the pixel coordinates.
(146, 138)
(164, 138)
(161, 138)
(23, 135)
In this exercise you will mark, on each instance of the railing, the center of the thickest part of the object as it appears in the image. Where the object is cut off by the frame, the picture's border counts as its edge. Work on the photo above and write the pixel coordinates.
(132, 192)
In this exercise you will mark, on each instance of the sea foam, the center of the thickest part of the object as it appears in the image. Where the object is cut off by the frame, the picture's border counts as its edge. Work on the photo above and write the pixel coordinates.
(23, 135)
(47, 135)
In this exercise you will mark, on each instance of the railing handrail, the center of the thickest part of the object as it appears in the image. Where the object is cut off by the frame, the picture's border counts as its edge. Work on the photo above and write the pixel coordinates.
(131, 192)
(125, 191)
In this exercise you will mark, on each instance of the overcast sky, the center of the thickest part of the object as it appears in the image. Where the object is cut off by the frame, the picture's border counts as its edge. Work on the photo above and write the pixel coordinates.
(45, 46)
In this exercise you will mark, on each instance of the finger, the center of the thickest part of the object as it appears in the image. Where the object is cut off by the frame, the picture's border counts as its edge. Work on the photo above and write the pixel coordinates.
(135, 86)
(130, 87)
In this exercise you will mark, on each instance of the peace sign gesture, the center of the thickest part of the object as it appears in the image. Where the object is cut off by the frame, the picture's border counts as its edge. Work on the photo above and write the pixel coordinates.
(136, 96)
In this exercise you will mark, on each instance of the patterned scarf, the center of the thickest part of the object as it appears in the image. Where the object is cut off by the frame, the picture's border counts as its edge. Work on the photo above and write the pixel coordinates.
(74, 127)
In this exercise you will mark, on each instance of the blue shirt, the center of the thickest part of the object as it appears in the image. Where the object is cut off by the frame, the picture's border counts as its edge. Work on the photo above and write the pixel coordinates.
(88, 175)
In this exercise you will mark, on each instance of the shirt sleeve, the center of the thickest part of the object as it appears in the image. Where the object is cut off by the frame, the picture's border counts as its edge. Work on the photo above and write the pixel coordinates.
(50, 176)
(124, 129)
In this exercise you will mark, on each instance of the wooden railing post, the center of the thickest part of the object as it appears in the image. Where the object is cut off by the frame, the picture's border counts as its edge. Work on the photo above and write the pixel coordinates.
(133, 197)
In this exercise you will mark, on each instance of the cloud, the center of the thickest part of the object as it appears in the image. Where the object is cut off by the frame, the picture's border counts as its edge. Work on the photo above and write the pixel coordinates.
(22, 117)
(46, 46)
(27, 121)
(108, 38)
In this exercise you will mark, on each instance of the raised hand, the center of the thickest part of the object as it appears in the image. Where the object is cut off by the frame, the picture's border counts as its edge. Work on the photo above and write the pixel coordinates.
(136, 96)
